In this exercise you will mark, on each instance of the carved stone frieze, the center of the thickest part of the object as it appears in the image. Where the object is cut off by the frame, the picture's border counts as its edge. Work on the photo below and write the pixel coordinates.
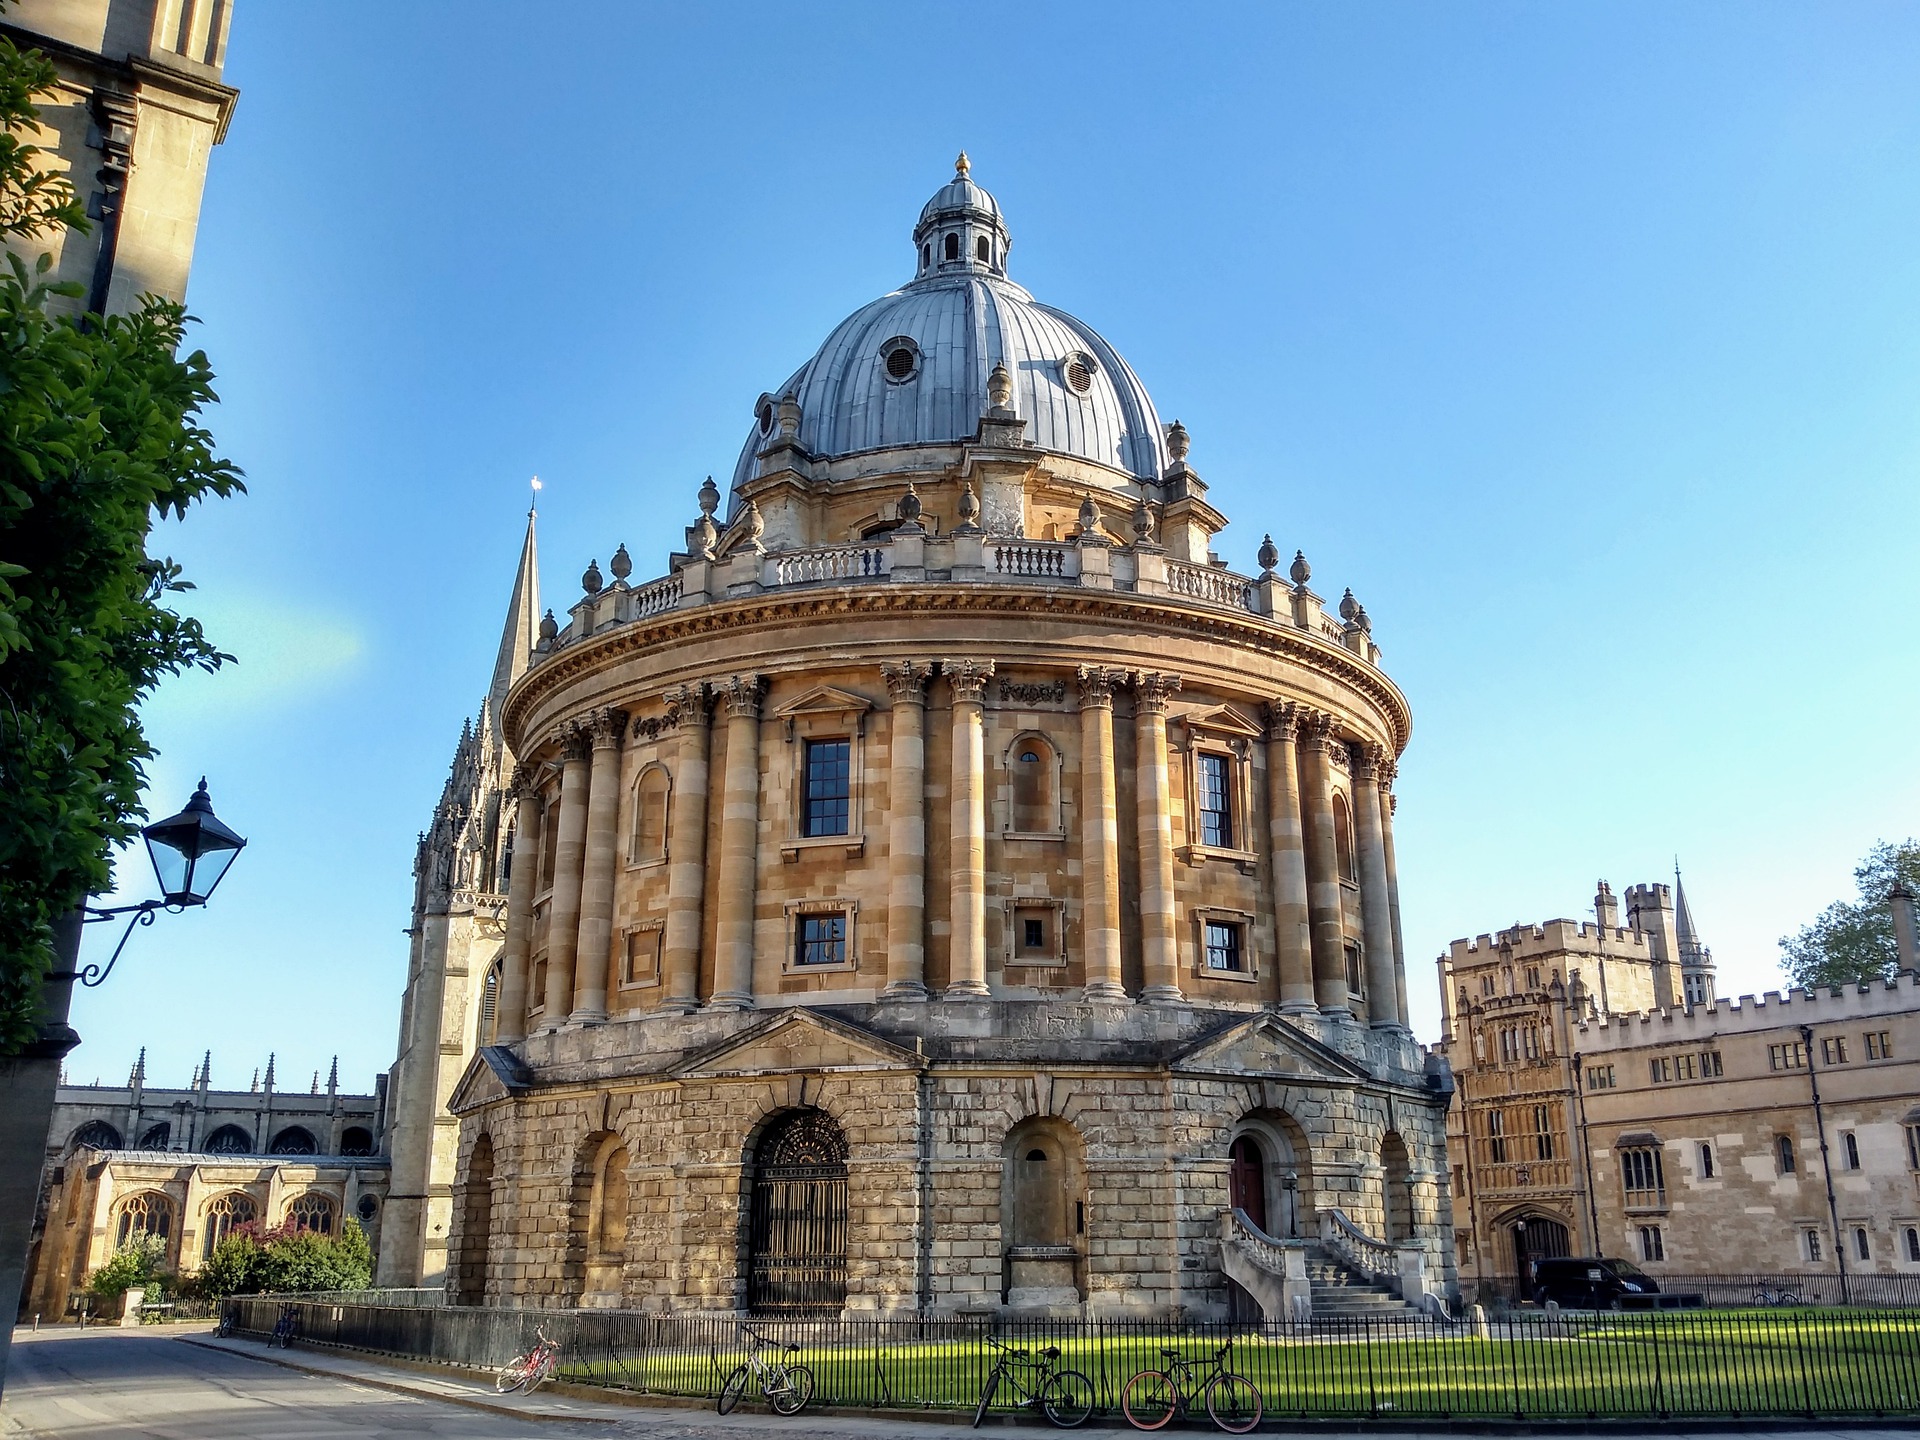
(652, 727)
(1033, 692)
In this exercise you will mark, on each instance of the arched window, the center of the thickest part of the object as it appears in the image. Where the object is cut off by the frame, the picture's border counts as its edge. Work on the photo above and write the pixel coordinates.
(549, 842)
(1861, 1249)
(98, 1134)
(1783, 1150)
(490, 1002)
(223, 1212)
(981, 250)
(311, 1211)
(1396, 1185)
(953, 247)
(146, 1213)
(1035, 767)
(294, 1140)
(797, 1216)
(229, 1140)
(613, 1199)
(1343, 841)
(926, 256)
(467, 1252)
(647, 839)
(1913, 1244)
(356, 1140)
(156, 1136)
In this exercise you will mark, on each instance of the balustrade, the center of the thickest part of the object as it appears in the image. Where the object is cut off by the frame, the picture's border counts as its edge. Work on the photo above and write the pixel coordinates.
(657, 597)
(833, 562)
(1209, 584)
(1373, 1258)
(1034, 559)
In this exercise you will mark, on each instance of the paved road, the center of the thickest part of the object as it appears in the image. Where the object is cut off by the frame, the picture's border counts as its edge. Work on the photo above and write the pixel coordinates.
(107, 1384)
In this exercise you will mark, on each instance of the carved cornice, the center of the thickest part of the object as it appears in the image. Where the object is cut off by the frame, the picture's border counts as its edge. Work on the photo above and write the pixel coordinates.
(907, 680)
(1152, 690)
(742, 695)
(1278, 640)
(1097, 683)
(968, 679)
(605, 725)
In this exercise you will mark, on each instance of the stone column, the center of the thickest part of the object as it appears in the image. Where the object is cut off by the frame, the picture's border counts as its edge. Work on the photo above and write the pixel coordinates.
(569, 858)
(1159, 945)
(510, 1011)
(1389, 802)
(907, 832)
(1323, 868)
(608, 727)
(1293, 932)
(1099, 835)
(739, 843)
(688, 706)
(967, 801)
(1376, 915)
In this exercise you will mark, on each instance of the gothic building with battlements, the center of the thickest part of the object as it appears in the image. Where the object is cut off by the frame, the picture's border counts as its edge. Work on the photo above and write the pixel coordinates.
(945, 887)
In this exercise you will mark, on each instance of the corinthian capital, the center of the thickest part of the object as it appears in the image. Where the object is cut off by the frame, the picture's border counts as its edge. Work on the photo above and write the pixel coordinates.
(1284, 719)
(968, 679)
(1367, 760)
(742, 694)
(1151, 690)
(907, 681)
(606, 725)
(1096, 686)
(576, 741)
(688, 704)
(1316, 732)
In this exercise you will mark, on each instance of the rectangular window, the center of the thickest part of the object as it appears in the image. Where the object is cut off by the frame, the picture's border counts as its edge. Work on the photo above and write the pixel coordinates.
(1033, 934)
(1216, 801)
(1533, 1042)
(820, 939)
(1787, 1057)
(829, 792)
(1645, 1179)
(1879, 1045)
(1459, 1179)
(1683, 1067)
(1710, 1065)
(1497, 1137)
(1833, 1050)
(1659, 1069)
(1813, 1244)
(1543, 1132)
(1354, 986)
(1223, 947)
(1652, 1245)
(1599, 1077)
(640, 965)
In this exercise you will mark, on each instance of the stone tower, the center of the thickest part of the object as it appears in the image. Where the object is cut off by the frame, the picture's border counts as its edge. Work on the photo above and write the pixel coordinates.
(459, 909)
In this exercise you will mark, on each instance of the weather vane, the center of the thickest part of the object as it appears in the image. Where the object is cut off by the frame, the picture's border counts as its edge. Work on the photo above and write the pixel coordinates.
(534, 504)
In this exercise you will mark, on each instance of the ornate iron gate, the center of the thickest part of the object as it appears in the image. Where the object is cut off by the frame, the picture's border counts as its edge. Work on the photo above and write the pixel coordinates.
(797, 1226)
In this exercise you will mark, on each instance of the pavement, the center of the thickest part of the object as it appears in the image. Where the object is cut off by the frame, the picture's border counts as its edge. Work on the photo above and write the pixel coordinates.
(184, 1384)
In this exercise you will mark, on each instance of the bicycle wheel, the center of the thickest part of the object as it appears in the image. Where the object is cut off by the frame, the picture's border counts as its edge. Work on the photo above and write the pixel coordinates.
(512, 1375)
(1234, 1403)
(539, 1372)
(986, 1397)
(1068, 1399)
(791, 1397)
(1149, 1400)
(735, 1387)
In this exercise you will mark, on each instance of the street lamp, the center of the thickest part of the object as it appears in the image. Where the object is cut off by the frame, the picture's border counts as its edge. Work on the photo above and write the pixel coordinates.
(191, 853)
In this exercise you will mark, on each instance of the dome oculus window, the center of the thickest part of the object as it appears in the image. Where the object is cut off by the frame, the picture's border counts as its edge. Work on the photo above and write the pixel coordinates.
(901, 357)
(1078, 370)
(763, 414)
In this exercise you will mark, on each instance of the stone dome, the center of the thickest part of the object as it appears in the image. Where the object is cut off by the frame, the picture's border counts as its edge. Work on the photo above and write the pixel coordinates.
(910, 369)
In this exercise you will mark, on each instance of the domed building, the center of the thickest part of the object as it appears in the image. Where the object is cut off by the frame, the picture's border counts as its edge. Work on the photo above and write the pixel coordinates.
(947, 887)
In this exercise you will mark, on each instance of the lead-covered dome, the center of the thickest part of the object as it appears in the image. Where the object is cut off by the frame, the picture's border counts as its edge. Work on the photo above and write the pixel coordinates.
(911, 368)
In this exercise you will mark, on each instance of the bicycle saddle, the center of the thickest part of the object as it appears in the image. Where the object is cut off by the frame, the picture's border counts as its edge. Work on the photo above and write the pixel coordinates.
(1052, 1352)
(793, 1349)
(1174, 1354)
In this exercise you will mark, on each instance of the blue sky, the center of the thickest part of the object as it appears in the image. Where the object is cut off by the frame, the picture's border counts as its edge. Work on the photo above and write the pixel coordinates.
(1580, 340)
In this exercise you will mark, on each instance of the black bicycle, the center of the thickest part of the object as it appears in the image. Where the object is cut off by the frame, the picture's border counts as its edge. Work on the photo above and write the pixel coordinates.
(285, 1327)
(1064, 1396)
(1153, 1397)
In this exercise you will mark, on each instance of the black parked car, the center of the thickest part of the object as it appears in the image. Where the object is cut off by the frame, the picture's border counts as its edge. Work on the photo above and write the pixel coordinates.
(1592, 1283)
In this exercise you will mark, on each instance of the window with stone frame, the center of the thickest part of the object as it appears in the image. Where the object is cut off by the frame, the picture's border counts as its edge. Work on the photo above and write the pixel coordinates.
(821, 936)
(490, 1001)
(1912, 1128)
(640, 954)
(1653, 1245)
(1833, 1050)
(312, 1211)
(1811, 1238)
(1879, 1044)
(1036, 931)
(1706, 1162)
(222, 1214)
(1214, 771)
(827, 791)
(1343, 850)
(825, 731)
(651, 801)
(1850, 1149)
(1497, 1137)
(1543, 1132)
(1356, 972)
(1643, 1176)
(1912, 1233)
(1219, 786)
(549, 841)
(1862, 1246)
(1222, 941)
(1783, 1154)
(147, 1212)
(537, 985)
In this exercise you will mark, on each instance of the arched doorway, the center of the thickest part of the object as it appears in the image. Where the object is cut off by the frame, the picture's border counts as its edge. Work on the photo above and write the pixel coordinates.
(1535, 1237)
(797, 1217)
(1247, 1179)
(1396, 1182)
(476, 1227)
(1264, 1173)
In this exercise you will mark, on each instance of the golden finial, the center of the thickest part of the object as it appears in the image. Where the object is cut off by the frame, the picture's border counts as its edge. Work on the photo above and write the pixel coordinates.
(961, 167)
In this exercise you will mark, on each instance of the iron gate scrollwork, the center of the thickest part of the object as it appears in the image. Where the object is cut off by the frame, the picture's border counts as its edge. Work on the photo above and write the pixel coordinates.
(797, 1224)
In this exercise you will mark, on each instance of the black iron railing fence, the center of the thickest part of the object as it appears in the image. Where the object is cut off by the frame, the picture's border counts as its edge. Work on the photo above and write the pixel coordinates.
(1732, 1363)
(1723, 1291)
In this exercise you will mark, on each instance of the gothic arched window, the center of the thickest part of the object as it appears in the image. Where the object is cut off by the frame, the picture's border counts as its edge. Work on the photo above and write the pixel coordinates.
(156, 1136)
(356, 1140)
(147, 1213)
(223, 1212)
(98, 1134)
(229, 1140)
(311, 1211)
(294, 1140)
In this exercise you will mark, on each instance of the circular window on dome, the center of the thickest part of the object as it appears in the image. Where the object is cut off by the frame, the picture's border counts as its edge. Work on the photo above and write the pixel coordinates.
(901, 358)
(1078, 370)
(763, 414)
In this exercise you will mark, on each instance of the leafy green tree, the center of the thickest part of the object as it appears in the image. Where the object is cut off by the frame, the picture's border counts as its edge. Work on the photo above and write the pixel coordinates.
(251, 1260)
(141, 1261)
(1852, 940)
(99, 435)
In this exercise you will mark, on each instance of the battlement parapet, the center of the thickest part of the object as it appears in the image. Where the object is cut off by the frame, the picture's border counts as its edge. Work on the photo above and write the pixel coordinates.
(1877, 999)
(1549, 937)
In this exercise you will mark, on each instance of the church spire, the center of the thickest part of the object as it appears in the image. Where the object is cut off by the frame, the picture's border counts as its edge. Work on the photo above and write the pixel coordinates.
(1692, 952)
(522, 630)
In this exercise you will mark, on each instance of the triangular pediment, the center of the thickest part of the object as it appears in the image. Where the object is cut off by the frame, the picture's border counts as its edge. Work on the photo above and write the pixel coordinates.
(495, 1073)
(824, 700)
(1223, 720)
(1266, 1047)
(799, 1039)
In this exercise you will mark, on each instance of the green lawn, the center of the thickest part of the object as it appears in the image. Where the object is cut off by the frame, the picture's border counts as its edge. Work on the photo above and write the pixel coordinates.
(1760, 1362)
